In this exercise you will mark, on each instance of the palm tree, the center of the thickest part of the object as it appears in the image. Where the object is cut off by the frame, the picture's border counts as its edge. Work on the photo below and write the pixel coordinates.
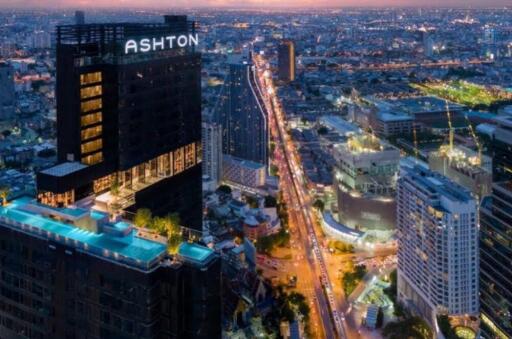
(4, 193)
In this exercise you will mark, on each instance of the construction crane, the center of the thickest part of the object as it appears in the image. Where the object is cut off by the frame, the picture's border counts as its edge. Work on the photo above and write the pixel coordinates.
(451, 134)
(478, 160)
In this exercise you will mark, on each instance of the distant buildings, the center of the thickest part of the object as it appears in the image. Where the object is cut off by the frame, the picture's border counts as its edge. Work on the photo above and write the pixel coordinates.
(365, 174)
(242, 113)
(132, 122)
(6, 91)
(286, 61)
(437, 226)
(495, 249)
(79, 17)
(243, 172)
(212, 151)
(72, 272)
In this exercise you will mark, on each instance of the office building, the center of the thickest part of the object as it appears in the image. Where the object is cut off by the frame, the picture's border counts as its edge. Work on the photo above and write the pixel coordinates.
(79, 17)
(129, 118)
(286, 61)
(243, 172)
(242, 113)
(495, 247)
(7, 91)
(212, 151)
(75, 273)
(365, 180)
(437, 225)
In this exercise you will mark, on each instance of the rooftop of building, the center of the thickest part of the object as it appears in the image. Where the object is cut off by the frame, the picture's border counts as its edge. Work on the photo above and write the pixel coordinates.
(64, 169)
(117, 241)
(436, 183)
(243, 162)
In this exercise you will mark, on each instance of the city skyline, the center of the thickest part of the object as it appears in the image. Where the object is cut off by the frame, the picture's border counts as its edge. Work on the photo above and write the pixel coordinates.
(249, 4)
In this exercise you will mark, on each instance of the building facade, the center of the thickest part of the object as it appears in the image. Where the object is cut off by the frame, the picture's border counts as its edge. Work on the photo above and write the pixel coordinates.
(243, 172)
(75, 273)
(7, 91)
(437, 245)
(129, 116)
(242, 113)
(286, 61)
(495, 247)
(212, 151)
(365, 177)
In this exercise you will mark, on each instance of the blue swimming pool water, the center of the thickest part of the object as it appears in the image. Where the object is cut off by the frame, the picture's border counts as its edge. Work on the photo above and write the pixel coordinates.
(132, 247)
(194, 252)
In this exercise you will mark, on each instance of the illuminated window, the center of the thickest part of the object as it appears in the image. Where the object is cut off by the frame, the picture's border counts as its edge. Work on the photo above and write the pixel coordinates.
(90, 78)
(199, 152)
(190, 155)
(93, 158)
(91, 132)
(89, 92)
(103, 184)
(178, 160)
(56, 199)
(90, 119)
(91, 146)
(91, 105)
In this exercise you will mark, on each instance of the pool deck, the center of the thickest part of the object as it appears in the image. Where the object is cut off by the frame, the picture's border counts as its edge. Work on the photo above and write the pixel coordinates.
(130, 249)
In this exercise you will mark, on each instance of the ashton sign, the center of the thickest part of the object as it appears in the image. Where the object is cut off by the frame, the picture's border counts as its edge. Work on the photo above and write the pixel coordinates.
(156, 44)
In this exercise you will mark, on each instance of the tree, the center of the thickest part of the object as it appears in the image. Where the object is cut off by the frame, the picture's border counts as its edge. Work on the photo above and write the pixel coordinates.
(224, 189)
(174, 235)
(270, 201)
(446, 328)
(414, 327)
(323, 130)
(319, 204)
(4, 194)
(143, 218)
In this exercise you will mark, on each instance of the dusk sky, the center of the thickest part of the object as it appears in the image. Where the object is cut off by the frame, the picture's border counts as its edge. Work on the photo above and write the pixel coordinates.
(245, 3)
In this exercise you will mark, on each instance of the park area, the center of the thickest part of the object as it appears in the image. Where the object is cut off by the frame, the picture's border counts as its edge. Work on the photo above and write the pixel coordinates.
(466, 93)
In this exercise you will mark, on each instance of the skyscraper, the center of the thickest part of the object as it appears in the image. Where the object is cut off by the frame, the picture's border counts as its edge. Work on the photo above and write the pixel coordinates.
(437, 245)
(75, 273)
(242, 113)
(495, 246)
(286, 61)
(128, 117)
(212, 150)
(79, 17)
(6, 91)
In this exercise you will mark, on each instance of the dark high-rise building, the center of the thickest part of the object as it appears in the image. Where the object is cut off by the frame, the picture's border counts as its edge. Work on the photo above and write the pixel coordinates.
(6, 91)
(495, 240)
(242, 113)
(79, 17)
(128, 119)
(286, 61)
(75, 273)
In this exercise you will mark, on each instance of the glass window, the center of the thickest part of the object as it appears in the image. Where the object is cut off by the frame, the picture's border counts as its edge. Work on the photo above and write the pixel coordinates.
(91, 105)
(91, 132)
(91, 119)
(93, 159)
(92, 91)
(90, 78)
(91, 146)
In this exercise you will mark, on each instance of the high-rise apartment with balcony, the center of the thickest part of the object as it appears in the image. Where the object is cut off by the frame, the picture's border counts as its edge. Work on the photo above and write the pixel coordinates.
(242, 113)
(496, 239)
(438, 263)
(128, 119)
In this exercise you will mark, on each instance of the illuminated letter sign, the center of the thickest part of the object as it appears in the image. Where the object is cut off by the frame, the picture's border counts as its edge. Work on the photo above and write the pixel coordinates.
(160, 43)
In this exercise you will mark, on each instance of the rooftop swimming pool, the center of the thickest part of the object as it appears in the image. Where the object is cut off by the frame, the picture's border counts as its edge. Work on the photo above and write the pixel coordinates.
(130, 249)
(195, 253)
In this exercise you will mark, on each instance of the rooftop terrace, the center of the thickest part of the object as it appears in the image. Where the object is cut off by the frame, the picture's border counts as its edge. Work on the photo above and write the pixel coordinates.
(116, 242)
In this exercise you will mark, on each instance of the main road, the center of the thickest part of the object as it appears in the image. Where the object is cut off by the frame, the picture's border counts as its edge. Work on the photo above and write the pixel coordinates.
(300, 210)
